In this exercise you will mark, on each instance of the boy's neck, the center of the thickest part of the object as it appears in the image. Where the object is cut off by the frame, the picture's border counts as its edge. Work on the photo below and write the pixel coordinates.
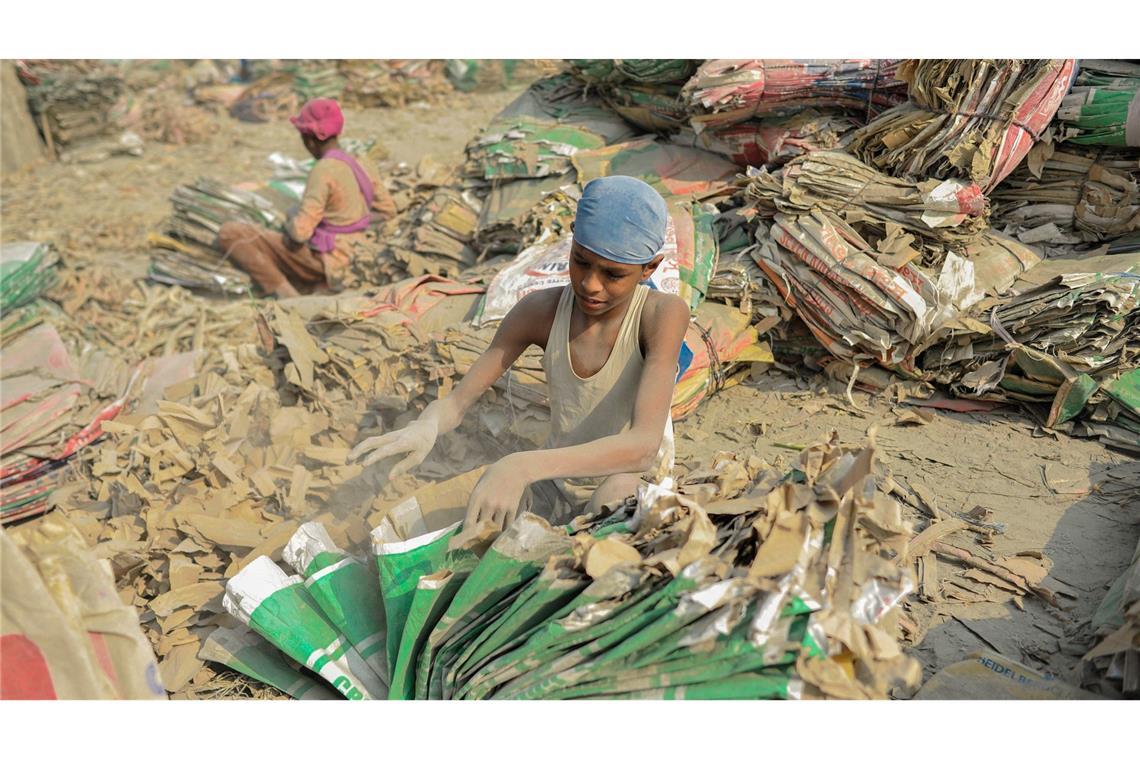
(616, 314)
(323, 150)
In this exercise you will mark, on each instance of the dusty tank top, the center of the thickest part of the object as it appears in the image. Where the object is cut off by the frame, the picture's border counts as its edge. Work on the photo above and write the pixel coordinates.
(586, 409)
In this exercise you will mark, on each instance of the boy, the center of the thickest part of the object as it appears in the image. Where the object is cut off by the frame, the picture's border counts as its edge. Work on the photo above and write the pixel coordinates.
(335, 209)
(611, 347)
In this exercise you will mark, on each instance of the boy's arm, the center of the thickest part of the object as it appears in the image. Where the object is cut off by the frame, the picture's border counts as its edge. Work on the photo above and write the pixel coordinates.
(632, 451)
(383, 204)
(526, 324)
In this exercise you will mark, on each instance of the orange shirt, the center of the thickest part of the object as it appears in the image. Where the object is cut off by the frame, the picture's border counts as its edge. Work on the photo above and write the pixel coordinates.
(332, 193)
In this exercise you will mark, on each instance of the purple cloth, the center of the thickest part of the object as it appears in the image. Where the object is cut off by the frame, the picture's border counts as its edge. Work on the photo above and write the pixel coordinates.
(324, 236)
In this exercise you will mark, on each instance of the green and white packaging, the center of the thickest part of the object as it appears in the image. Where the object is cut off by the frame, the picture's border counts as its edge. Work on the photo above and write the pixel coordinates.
(279, 608)
(345, 588)
(405, 550)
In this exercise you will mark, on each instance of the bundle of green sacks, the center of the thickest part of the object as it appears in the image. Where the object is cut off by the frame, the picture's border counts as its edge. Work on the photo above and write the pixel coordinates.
(769, 590)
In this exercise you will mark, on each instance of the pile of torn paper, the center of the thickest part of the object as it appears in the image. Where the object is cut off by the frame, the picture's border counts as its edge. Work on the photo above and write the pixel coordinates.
(1072, 199)
(100, 344)
(1065, 338)
(740, 582)
(968, 118)
(216, 467)
(212, 470)
(133, 320)
(71, 107)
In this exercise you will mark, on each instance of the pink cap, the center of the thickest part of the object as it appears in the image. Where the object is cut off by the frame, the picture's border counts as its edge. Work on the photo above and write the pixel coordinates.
(320, 118)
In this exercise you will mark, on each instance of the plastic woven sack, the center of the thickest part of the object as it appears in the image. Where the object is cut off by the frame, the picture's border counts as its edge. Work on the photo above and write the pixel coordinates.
(973, 119)
(643, 71)
(27, 269)
(772, 142)
(250, 654)
(401, 562)
(1103, 105)
(729, 91)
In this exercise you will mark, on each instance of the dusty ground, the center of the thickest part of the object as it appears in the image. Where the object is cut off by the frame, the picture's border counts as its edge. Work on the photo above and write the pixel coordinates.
(110, 207)
(994, 459)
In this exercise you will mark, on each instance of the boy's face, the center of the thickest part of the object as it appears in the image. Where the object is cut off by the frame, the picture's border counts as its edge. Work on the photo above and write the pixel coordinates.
(601, 285)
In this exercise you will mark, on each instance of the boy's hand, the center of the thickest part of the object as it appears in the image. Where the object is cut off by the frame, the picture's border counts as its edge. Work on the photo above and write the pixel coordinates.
(497, 495)
(417, 440)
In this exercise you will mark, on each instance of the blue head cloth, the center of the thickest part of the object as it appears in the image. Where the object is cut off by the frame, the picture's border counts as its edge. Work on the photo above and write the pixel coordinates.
(621, 219)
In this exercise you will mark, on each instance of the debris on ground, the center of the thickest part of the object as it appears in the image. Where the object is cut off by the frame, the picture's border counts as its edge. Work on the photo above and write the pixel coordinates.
(1115, 660)
(728, 585)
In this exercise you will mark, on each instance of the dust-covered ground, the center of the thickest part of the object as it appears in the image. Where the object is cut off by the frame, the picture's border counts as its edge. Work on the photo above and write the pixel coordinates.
(996, 460)
(111, 206)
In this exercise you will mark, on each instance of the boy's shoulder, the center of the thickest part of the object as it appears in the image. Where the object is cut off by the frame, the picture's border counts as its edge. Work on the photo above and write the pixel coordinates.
(662, 315)
(662, 305)
(534, 314)
(541, 301)
(538, 308)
